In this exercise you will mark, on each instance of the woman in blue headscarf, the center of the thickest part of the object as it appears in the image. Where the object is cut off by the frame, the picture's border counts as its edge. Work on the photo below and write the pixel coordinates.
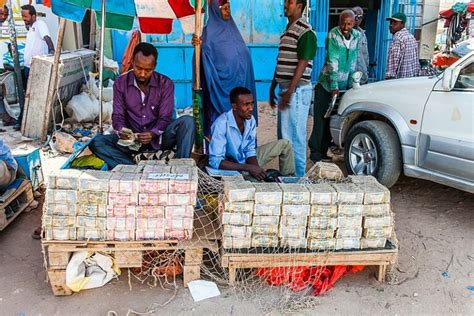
(226, 62)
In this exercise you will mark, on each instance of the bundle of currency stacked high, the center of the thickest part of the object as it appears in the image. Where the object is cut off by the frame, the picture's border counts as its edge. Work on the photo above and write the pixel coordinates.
(236, 217)
(266, 215)
(322, 221)
(123, 201)
(377, 221)
(60, 209)
(349, 215)
(294, 215)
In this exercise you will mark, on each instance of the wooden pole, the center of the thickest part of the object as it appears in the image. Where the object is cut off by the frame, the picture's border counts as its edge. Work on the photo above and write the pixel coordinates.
(54, 77)
(101, 66)
(197, 48)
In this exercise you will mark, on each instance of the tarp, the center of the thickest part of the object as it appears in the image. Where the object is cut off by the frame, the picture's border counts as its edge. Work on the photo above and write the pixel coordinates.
(226, 63)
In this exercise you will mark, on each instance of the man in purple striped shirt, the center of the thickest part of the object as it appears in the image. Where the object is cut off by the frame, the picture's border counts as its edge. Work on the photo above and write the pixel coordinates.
(403, 59)
(144, 102)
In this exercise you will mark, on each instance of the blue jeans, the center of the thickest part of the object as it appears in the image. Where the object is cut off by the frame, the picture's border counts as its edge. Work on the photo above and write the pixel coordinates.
(292, 123)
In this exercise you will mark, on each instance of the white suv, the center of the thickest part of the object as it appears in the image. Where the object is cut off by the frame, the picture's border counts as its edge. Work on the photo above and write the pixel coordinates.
(423, 125)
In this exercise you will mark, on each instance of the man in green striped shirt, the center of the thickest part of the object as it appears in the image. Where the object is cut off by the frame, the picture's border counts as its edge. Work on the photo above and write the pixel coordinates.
(341, 58)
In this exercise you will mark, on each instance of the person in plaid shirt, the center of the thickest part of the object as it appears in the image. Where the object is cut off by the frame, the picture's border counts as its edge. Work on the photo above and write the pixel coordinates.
(403, 53)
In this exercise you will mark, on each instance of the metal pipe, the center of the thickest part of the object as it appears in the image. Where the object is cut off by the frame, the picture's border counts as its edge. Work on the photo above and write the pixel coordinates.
(15, 57)
(101, 65)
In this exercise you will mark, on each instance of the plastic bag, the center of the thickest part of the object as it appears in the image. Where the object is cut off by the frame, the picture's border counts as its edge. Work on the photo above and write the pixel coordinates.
(63, 142)
(83, 107)
(90, 270)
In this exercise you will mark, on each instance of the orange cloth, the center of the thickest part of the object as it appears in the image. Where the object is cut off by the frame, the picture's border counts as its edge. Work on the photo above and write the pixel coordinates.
(128, 55)
(321, 279)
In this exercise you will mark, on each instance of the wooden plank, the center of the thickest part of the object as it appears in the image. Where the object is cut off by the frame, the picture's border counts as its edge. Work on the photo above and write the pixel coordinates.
(24, 195)
(57, 279)
(381, 272)
(193, 256)
(191, 273)
(58, 260)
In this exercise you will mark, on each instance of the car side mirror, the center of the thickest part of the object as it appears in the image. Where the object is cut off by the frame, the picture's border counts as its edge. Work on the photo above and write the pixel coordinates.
(356, 77)
(450, 76)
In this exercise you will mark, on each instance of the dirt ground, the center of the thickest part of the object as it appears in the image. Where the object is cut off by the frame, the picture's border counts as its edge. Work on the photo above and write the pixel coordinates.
(434, 226)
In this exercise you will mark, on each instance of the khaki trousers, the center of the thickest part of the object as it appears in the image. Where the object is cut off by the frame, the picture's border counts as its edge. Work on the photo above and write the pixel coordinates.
(281, 149)
(7, 175)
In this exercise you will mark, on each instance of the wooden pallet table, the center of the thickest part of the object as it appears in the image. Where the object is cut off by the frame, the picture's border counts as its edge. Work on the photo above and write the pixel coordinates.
(128, 254)
(17, 202)
(255, 258)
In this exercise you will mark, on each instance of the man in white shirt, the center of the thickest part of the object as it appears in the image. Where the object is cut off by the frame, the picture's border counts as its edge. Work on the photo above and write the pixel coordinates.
(38, 43)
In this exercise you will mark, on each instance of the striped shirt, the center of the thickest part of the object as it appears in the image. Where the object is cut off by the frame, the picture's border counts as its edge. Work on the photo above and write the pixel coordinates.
(403, 56)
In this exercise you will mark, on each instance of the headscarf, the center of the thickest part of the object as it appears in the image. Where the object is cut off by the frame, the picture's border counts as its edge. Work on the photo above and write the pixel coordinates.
(226, 60)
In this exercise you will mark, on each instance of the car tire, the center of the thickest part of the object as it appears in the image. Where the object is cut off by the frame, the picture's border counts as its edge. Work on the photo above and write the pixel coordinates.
(373, 148)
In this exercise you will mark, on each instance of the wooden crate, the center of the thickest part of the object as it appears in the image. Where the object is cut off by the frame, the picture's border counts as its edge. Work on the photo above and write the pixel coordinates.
(19, 200)
(380, 258)
(127, 254)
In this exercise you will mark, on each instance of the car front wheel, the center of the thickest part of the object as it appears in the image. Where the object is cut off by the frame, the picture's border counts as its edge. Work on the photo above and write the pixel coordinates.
(373, 148)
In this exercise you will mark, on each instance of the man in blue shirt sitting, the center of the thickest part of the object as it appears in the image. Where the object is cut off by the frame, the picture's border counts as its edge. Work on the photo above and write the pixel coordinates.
(233, 141)
(8, 166)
